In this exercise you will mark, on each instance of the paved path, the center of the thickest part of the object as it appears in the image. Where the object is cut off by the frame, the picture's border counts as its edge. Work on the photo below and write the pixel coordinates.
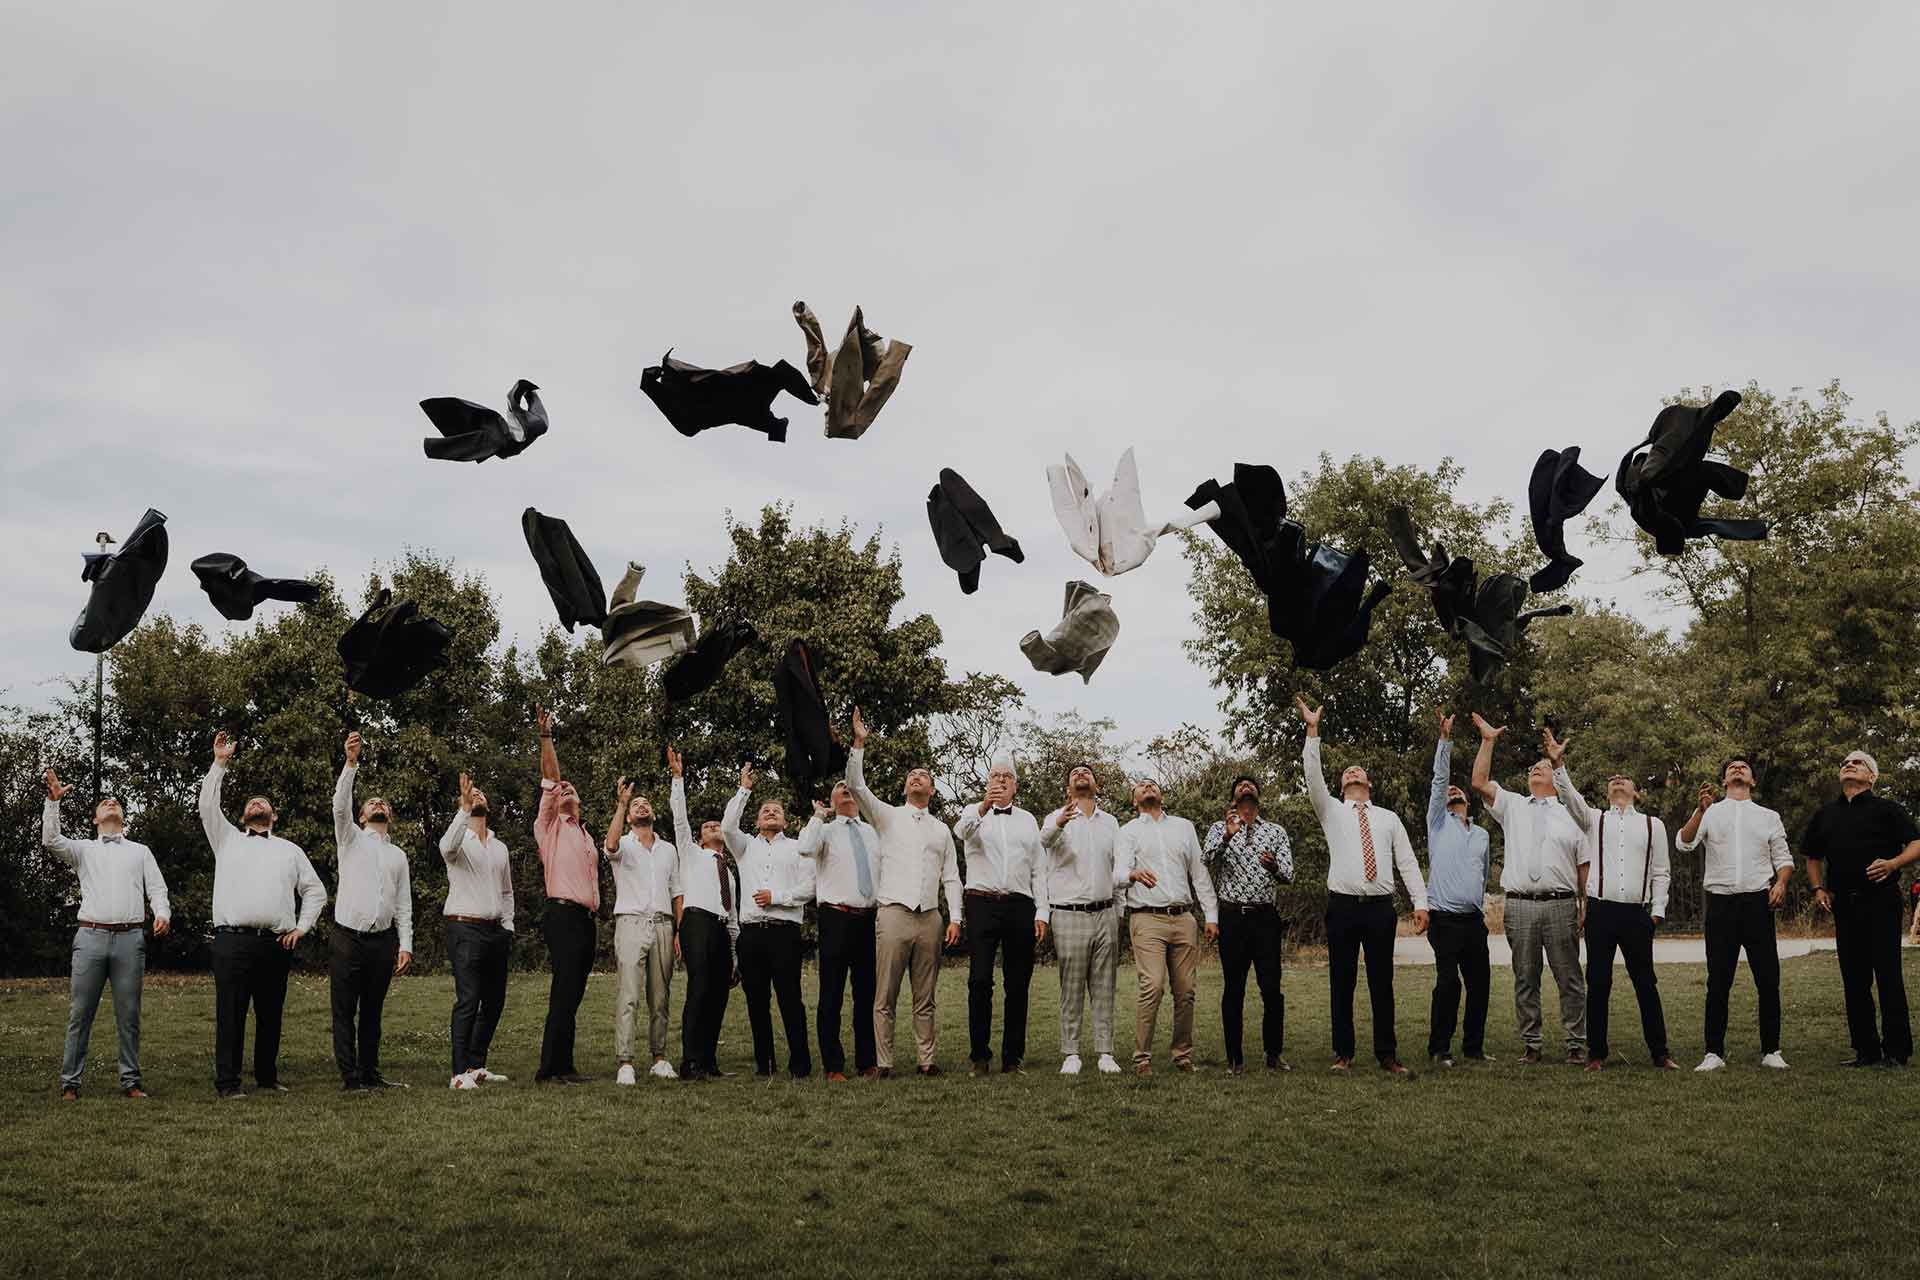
(1415, 950)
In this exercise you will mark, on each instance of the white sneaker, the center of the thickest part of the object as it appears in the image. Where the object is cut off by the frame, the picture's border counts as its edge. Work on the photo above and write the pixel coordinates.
(626, 1074)
(465, 1080)
(1108, 1065)
(1070, 1066)
(1775, 1061)
(664, 1070)
(1712, 1062)
(485, 1076)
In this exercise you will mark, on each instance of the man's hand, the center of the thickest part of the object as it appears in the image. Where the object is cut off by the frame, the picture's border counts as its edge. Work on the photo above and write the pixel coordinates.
(1580, 922)
(1211, 932)
(353, 747)
(953, 935)
(1656, 922)
(626, 796)
(676, 945)
(747, 775)
(1554, 749)
(543, 718)
(401, 961)
(1311, 717)
(1777, 894)
(1140, 875)
(290, 939)
(674, 764)
(466, 792)
(822, 810)
(1823, 898)
(1233, 821)
(1707, 797)
(762, 898)
(1446, 723)
(1270, 862)
(859, 730)
(54, 788)
(1068, 812)
(1487, 731)
(733, 979)
(1039, 931)
(1419, 922)
(222, 747)
(1881, 868)
(162, 926)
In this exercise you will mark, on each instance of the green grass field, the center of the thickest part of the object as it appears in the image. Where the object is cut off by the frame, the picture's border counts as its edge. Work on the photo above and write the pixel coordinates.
(1495, 1170)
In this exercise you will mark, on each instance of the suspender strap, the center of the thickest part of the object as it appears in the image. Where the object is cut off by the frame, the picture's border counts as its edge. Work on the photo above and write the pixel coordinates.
(1601, 888)
(1646, 872)
(1646, 869)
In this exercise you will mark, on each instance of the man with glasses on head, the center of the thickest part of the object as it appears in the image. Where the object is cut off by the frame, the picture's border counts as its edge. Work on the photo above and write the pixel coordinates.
(372, 940)
(1459, 855)
(1745, 873)
(1249, 858)
(1079, 839)
(110, 946)
(1855, 847)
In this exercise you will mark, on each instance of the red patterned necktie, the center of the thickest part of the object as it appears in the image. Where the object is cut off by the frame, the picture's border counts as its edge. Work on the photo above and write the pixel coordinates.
(1366, 844)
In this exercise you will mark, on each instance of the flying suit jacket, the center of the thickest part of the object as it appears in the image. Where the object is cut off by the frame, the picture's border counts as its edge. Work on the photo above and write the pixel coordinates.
(862, 376)
(389, 650)
(811, 751)
(695, 399)
(571, 579)
(236, 589)
(700, 667)
(1666, 484)
(473, 433)
(962, 525)
(1080, 640)
(123, 583)
(1485, 615)
(639, 633)
(1559, 490)
(1111, 532)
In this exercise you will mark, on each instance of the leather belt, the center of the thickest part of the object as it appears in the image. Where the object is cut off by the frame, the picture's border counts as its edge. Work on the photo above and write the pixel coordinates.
(1176, 910)
(367, 933)
(993, 895)
(1558, 895)
(568, 902)
(1081, 906)
(110, 928)
(769, 924)
(472, 919)
(844, 909)
(1247, 908)
(249, 930)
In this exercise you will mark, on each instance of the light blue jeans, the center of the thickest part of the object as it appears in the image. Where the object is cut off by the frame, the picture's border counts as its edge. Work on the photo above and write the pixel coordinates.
(100, 957)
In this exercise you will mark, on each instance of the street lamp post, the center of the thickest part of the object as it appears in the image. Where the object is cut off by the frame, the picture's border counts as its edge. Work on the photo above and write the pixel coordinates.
(104, 540)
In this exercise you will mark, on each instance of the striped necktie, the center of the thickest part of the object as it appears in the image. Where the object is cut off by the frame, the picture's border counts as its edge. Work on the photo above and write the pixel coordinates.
(1366, 843)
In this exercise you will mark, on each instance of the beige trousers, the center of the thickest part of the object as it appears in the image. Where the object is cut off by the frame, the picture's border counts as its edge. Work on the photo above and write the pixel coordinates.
(1164, 947)
(905, 940)
(643, 949)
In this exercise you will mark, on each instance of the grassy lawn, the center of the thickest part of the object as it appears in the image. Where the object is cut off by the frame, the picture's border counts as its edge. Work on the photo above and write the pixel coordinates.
(1496, 1170)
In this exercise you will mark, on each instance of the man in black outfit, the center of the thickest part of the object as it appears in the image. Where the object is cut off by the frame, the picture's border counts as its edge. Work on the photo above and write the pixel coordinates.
(1249, 858)
(706, 924)
(1855, 847)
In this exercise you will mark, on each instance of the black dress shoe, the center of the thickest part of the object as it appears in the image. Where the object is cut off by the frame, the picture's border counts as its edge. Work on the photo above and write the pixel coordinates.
(352, 1086)
(574, 1077)
(1891, 1064)
(274, 1087)
(693, 1075)
(230, 1095)
(1858, 1061)
(381, 1082)
(1014, 1068)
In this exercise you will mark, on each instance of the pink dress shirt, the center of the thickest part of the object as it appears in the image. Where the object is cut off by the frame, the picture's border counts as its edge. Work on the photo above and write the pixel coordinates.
(568, 853)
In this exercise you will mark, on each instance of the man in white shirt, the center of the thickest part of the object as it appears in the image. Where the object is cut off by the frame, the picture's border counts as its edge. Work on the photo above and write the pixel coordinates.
(707, 925)
(917, 857)
(1006, 906)
(845, 851)
(118, 877)
(1626, 894)
(479, 915)
(646, 881)
(1079, 838)
(257, 880)
(1744, 874)
(1365, 843)
(778, 882)
(372, 940)
(1158, 870)
(1543, 873)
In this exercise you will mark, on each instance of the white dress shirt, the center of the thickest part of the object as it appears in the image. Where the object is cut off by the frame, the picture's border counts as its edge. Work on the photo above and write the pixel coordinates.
(1746, 845)
(1346, 857)
(1169, 847)
(256, 878)
(479, 880)
(1080, 857)
(1544, 849)
(1003, 854)
(117, 875)
(1111, 532)
(1631, 864)
(917, 854)
(700, 866)
(376, 885)
(775, 865)
(836, 874)
(645, 880)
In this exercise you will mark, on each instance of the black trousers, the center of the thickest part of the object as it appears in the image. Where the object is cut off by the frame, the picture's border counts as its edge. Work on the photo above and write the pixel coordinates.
(1737, 921)
(1252, 939)
(1866, 925)
(846, 948)
(359, 971)
(571, 940)
(770, 965)
(1356, 924)
(247, 969)
(1005, 926)
(479, 954)
(708, 955)
(1627, 929)
(1459, 941)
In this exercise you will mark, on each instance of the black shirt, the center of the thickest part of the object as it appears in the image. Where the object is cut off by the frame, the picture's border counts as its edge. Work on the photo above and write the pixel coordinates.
(1848, 834)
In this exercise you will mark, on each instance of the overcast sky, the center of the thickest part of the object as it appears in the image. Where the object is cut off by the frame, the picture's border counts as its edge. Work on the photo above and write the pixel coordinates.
(240, 241)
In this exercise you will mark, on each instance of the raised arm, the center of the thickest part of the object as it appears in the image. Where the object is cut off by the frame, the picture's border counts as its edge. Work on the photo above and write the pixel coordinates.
(878, 811)
(1570, 796)
(1483, 784)
(1689, 838)
(343, 824)
(68, 851)
(611, 846)
(730, 831)
(683, 834)
(212, 821)
(549, 762)
(813, 836)
(1323, 802)
(1442, 776)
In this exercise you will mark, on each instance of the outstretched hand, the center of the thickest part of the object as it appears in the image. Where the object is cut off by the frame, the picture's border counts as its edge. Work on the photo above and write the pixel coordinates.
(1487, 731)
(222, 747)
(353, 747)
(747, 776)
(1311, 716)
(1555, 749)
(1446, 722)
(466, 792)
(55, 789)
(821, 810)
(859, 730)
(543, 718)
(674, 764)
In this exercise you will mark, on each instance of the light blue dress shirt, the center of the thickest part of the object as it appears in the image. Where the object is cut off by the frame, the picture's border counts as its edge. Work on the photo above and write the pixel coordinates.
(1458, 853)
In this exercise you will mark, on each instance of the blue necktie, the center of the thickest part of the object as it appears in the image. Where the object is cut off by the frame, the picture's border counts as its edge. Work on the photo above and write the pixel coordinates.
(863, 873)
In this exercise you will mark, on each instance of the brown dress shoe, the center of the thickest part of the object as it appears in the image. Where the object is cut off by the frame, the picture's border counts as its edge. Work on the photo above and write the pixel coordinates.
(979, 1071)
(873, 1073)
(1531, 1058)
(1666, 1064)
(930, 1070)
(1596, 1064)
(1576, 1057)
(836, 1077)
(134, 1091)
(69, 1094)
(883, 1073)
(1395, 1067)
(1186, 1068)
(1341, 1064)
(1143, 1069)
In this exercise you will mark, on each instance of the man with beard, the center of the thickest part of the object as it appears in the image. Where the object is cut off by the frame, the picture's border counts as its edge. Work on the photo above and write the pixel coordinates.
(572, 872)
(778, 883)
(646, 883)
(707, 924)
(1079, 838)
(372, 927)
(258, 878)
(1249, 859)
(1158, 867)
(845, 851)
(116, 874)
(479, 916)
(1006, 904)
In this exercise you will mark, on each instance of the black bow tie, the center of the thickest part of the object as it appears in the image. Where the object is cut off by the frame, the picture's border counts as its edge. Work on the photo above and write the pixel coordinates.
(998, 809)
(262, 834)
